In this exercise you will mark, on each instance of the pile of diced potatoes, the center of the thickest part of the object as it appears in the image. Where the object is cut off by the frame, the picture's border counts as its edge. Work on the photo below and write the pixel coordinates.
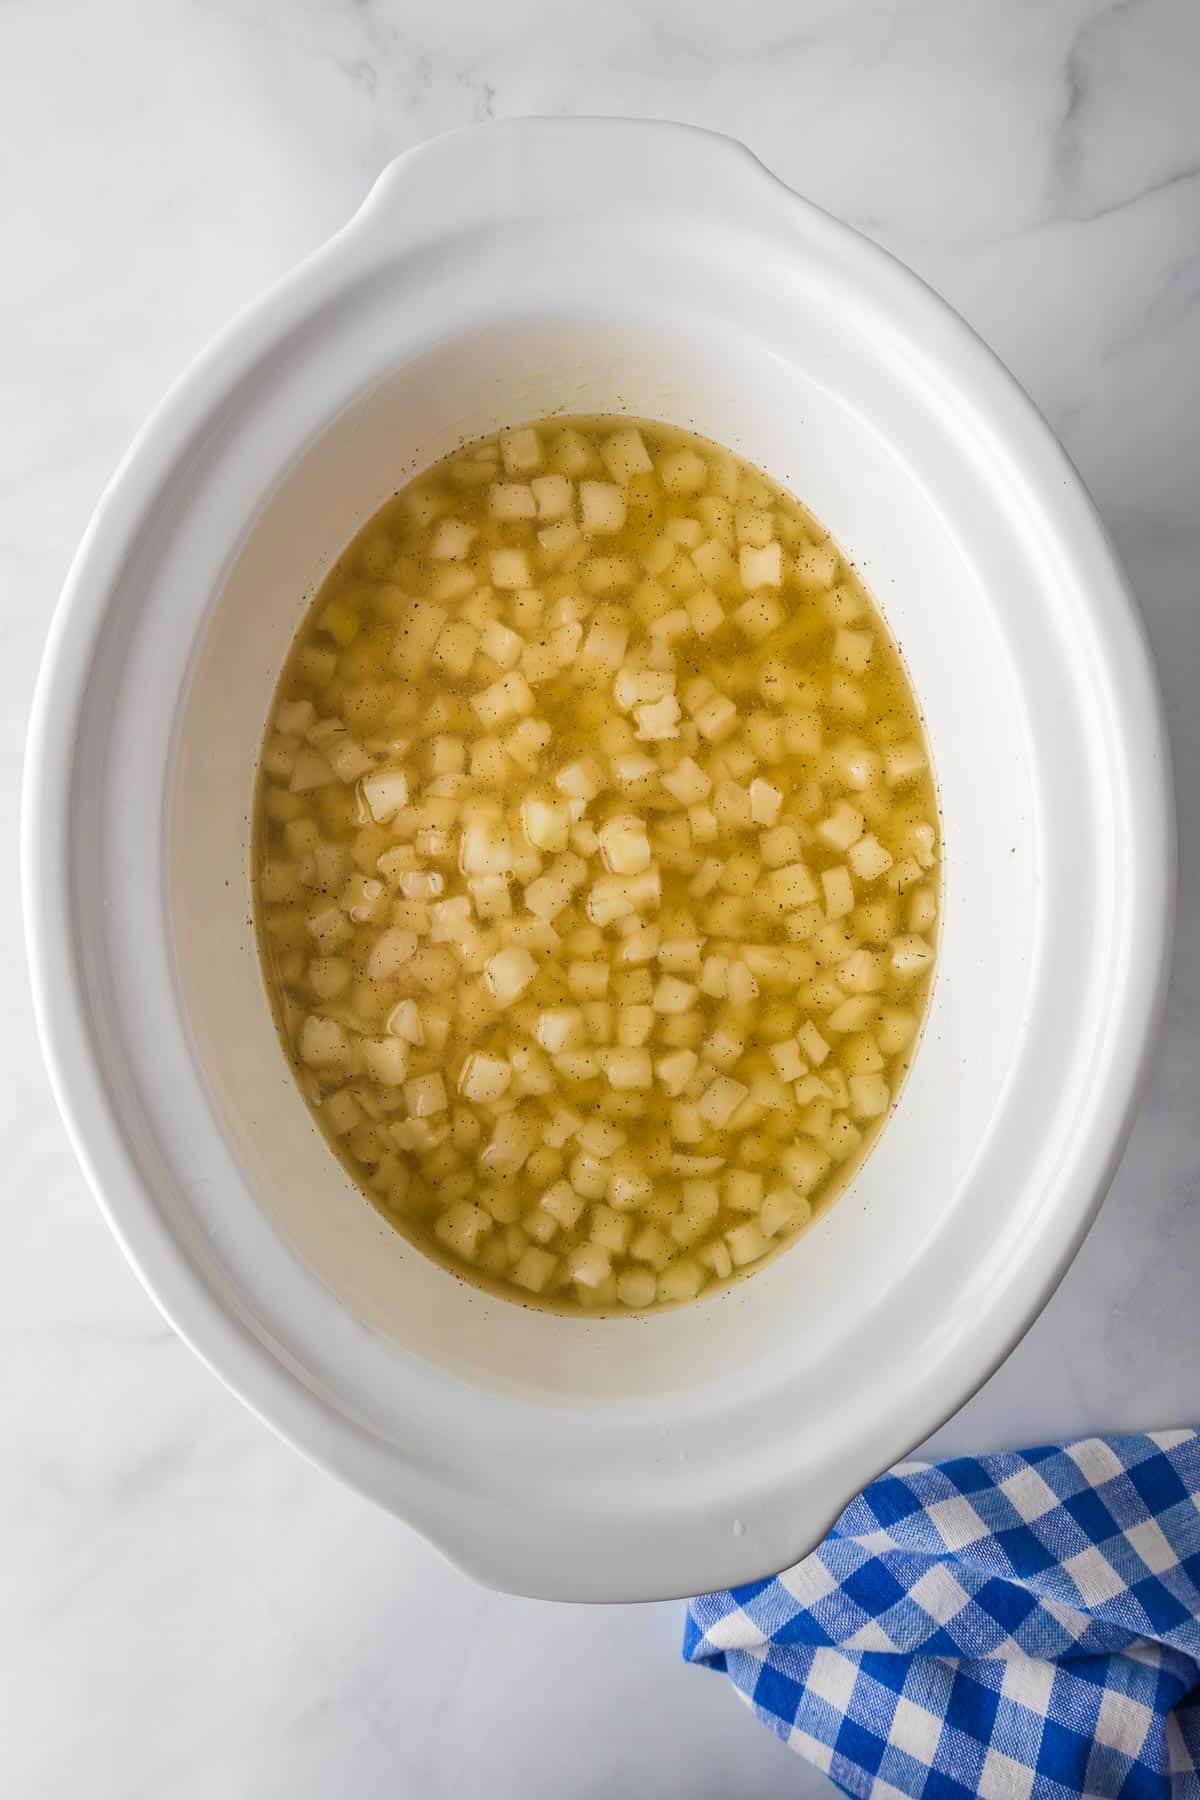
(596, 864)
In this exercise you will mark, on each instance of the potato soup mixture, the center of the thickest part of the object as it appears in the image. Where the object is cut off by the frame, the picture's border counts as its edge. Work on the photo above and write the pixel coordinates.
(596, 852)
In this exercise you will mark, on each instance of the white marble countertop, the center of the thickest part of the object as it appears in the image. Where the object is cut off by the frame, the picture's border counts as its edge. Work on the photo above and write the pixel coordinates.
(188, 1607)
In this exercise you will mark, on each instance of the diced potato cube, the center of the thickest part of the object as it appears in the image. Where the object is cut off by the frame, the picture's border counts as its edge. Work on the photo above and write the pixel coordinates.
(791, 886)
(755, 523)
(385, 792)
(761, 566)
(342, 1113)
(675, 1070)
(859, 765)
(580, 780)
(511, 500)
(610, 1229)
(600, 1137)
(651, 1245)
(765, 802)
(404, 1021)
(681, 1280)
(783, 1210)
(869, 859)
(805, 1164)
(329, 976)
(347, 759)
(852, 649)
(419, 630)
(386, 1059)
(502, 645)
(628, 1185)
(634, 1025)
(607, 638)
(533, 1269)
(589, 1175)
(838, 891)
(426, 884)
(624, 844)
(682, 471)
(716, 718)
(508, 698)
(743, 1190)
(704, 827)
(657, 721)
(812, 1043)
(902, 762)
(452, 581)
(546, 823)
(564, 1204)
(715, 1256)
(779, 846)
(588, 1264)
(705, 612)
(720, 1100)
(713, 560)
(508, 973)
(759, 616)
(861, 973)
(844, 1138)
(520, 450)
(870, 1096)
(746, 1243)
(921, 842)
(560, 1028)
(682, 955)
(601, 507)
(842, 828)
(294, 718)
(425, 1094)
(490, 896)
(588, 980)
(341, 620)
(510, 570)
(789, 1064)
(625, 455)
(527, 741)
(743, 988)
(731, 804)
(511, 1144)
(922, 910)
(627, 1067)
(687, 782)
(452, 540)
(484, 1077)
(674, 996)
(323, 1043)
(910, 956)
(461, 1227)
(278, 881)
(561, 544)
(490, 766)
(554, 495)
(540, 1226)
(636, 1287)
(389, 953)
(815, 566)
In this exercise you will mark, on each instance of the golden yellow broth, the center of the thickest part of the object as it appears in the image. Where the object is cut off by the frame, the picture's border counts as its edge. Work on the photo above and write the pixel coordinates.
(700, 1044)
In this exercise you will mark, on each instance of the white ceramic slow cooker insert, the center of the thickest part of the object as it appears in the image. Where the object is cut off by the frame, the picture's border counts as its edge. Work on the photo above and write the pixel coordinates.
(494, 276)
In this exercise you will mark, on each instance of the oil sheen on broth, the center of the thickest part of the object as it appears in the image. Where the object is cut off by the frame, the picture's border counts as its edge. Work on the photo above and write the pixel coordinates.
(596, 864)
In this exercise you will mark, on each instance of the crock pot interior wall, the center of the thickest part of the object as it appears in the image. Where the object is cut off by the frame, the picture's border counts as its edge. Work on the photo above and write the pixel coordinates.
(864, 479)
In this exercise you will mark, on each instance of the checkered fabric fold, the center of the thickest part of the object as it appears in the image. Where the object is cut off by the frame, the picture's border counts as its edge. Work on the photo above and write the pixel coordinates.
(1018, 1627)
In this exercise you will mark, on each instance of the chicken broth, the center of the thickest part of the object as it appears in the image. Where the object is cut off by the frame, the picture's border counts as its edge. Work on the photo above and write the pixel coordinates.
(596, 863)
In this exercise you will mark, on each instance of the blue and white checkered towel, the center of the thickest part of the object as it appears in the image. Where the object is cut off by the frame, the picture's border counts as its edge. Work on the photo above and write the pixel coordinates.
(1018, 1627)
